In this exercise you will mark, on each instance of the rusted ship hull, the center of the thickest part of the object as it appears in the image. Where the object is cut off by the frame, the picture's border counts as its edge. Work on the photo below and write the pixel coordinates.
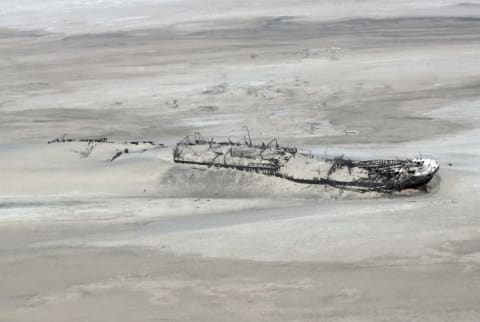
(288, 163)
(366, 185)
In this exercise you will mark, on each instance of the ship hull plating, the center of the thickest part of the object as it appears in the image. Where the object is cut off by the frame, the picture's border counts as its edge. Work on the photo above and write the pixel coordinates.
(288, 163)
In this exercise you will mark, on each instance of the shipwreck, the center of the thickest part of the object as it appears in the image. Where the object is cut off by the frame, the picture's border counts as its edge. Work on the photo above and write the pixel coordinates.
(301, 166)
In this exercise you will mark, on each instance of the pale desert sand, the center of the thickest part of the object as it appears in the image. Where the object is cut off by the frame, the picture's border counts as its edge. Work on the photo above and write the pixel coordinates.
(143, 239)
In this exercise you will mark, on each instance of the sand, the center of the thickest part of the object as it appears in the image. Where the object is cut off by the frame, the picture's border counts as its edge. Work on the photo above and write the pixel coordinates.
(143, 239)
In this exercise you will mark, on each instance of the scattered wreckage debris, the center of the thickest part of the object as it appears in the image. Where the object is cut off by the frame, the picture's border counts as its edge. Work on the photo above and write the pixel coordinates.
(119, 148)
(64, 139)
(118, 154)
(302, 167)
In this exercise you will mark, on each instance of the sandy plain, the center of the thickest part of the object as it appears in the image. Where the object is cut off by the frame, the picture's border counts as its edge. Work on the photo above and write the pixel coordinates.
(142, 239)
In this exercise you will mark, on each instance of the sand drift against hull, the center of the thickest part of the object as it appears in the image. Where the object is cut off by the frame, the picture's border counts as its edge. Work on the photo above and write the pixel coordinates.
(299, 166)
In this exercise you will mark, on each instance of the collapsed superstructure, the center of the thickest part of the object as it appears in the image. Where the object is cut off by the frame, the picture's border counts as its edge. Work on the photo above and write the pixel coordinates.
(86, 145)
(302, 167)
